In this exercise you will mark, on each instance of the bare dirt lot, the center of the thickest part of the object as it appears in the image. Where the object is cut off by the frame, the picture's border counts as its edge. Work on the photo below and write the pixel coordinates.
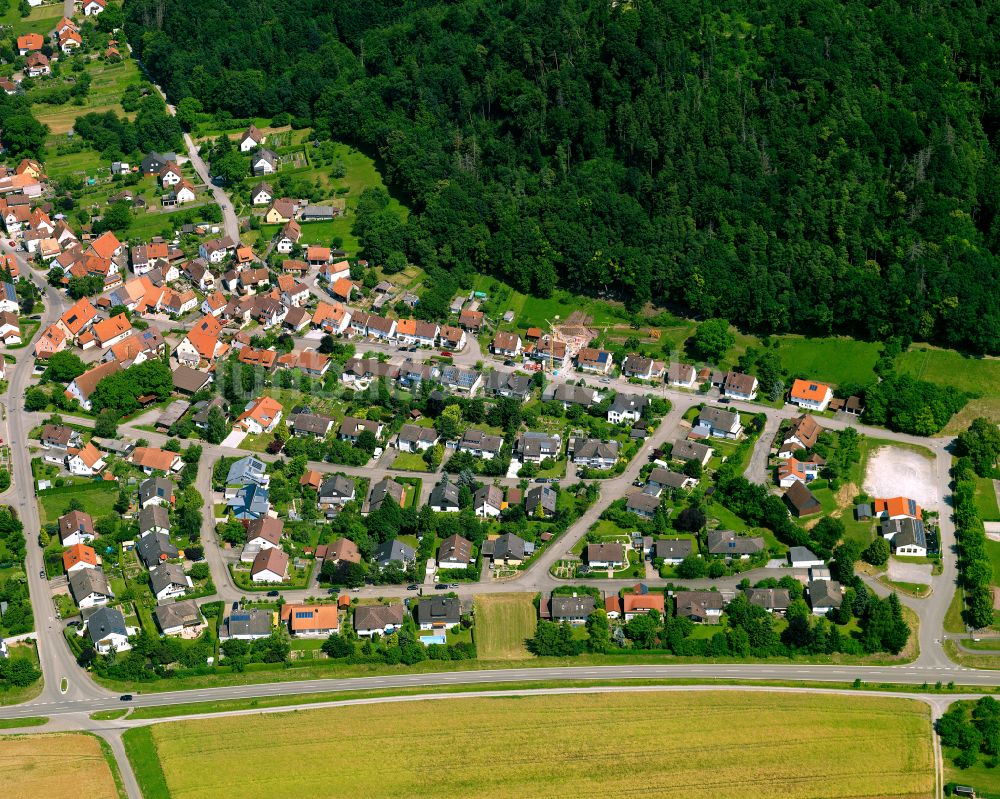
(896, 472)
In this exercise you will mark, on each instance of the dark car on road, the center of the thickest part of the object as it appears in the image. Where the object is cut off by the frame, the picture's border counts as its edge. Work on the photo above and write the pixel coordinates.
(440, 586)
(413, 587)
(125, 698)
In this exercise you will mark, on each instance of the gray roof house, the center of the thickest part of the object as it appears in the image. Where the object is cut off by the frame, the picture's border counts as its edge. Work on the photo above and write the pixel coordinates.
(311, 424)
(627, 408)
(593, 453)
(380, 619)
(444, 498)
(174, 617)
(247, 470)
(534, 447)
(642, 504)
(413, 437)
(89, 587)
(168, 580)
(154, 518)
(685, 450)
(336, 490)
(573, 609)
(247, 625)
(106, 629)
(673, 550)
(773, 600)
(824, 595)
(480, 444)
(540, 500)
(386, 488)
(250, 502)
(439, 611)
(394, 551)
(156, 491)
(727, 543)
(154, 548)
(699, 606)
(508, 548)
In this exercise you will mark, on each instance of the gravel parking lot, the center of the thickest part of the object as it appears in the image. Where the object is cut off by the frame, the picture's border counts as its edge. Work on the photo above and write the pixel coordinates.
(895, 472)
(909, 572)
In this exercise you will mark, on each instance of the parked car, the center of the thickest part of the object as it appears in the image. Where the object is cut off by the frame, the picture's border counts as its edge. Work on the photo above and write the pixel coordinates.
(236, 605)
(413, 587)
(440, 586)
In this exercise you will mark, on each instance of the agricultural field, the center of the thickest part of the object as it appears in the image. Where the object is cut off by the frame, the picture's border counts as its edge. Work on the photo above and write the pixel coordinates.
(97, 499)
(815, 746)
(503, 623)
(68, 764)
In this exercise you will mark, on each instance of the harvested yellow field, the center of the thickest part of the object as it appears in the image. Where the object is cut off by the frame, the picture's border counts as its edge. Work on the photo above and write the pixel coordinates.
(503, 623)
(690, 745)
(40, 766)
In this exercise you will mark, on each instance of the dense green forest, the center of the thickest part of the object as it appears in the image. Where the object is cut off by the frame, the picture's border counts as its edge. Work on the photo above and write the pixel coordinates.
(808, 165)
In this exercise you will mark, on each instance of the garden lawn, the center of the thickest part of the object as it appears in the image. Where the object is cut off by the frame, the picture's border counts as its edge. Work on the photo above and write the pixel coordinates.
(410, 462)
(67, 764)
(835, 360)
(97, 498)
(986, 500)
(993, 550)
(820, 747)
(503, 623)
(532, 311)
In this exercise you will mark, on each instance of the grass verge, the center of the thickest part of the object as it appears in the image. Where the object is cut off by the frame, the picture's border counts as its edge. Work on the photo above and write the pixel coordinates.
(27, 721)
(109, 715)
(141, 750)
(313, 670)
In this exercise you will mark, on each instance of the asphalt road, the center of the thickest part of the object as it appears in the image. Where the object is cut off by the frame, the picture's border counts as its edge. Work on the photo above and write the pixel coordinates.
(904, 675)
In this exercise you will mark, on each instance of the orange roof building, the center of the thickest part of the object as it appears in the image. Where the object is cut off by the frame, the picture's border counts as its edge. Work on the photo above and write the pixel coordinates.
(810, 394)
(254, 357)
(78, 317)
(106, 245)
(154, 458)
(311, 620)
(343, 288)
(897, 508)
(110, 331)
(79, 556)
(634, 604)
(262, 415)
(53, 340)
(311, 478)
(29, 42)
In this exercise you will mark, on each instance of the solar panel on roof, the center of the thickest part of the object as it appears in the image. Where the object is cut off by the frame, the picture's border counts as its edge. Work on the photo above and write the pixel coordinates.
(241, 617)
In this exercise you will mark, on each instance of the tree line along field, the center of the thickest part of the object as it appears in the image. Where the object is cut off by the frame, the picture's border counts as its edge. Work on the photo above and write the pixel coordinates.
(66, 764)
(721, 744)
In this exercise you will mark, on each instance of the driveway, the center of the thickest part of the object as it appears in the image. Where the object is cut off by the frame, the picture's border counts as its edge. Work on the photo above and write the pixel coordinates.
(234, 439)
